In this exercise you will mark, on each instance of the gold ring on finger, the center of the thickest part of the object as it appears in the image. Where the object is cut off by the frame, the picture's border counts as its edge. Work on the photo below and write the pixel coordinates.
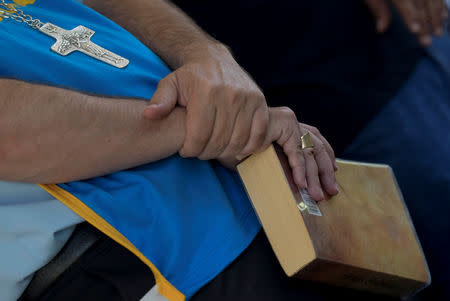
(307, 141)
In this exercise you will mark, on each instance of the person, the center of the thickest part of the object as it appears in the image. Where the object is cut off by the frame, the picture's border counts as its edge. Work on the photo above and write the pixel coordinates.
(266, 248)
(374, 96)
(333, 67)
(54, 132)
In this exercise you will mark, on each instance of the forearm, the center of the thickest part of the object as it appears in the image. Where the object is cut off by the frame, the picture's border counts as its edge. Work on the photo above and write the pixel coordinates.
(161, 26)
(52, 135)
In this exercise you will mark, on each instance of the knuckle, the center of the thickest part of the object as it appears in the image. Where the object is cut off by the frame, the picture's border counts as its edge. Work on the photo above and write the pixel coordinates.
(217, 148)
(308, 153)
(257, 96)
(212, 87)
(260, 135)
(332, 152)
(195, 143)
(187, 152)
(296, 164)
(236, 145)
(262, 114)
(205, 83)
(164, 81)
(207, 156)
(265, 121)
(239, 91)
(261, 127)
(286, 111)
(315, 131)
(325, 170)
(319, 148)
(236, 99)
(293, 151)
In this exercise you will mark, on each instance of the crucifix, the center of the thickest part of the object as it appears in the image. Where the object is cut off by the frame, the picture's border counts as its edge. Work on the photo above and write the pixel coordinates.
(79, 39)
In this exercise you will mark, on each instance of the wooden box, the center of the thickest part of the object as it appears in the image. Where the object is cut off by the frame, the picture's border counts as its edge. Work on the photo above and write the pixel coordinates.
(362, 238)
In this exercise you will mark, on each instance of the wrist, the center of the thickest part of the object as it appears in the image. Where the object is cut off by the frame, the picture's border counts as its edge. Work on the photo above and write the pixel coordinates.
(170, 129)
(210, 49)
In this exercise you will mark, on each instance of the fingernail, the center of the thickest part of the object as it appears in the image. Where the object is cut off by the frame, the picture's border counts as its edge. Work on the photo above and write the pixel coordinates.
(337, 187)
(380, 25)
(146, 112)
(415, 27)
(425, 40)
(150, 107)
(322, 196)
(181, 153)
(336, 167)
(302, 188)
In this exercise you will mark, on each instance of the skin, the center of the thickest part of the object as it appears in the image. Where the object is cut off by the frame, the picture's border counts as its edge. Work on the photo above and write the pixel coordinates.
(423, 17)
(227, 114)
(54, 145)
(54, 135)
(227, 117)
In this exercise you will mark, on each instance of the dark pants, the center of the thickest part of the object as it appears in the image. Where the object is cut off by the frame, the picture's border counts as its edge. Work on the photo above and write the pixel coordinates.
(107, 271)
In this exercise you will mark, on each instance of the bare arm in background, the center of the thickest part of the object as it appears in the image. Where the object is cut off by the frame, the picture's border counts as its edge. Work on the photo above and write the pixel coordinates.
(422, 17)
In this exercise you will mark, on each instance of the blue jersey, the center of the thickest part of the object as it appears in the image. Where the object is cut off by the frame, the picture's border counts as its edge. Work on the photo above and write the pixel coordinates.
(187, 219)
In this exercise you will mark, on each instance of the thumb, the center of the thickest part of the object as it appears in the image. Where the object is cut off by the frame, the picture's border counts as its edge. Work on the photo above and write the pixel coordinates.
(164, 99)
(381, 12)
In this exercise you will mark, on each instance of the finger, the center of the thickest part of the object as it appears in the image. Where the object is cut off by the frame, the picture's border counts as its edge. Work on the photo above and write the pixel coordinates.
(327, 145)
(422, 17)
(164, 99)
(407, 9)
(325, 166)
(258, 133)
(284, 129)
(200, 121)
(434, 8)
(296, 160)
(312, 175)
(241, 133)
(222, 132)
(444, 13)
(381, 12)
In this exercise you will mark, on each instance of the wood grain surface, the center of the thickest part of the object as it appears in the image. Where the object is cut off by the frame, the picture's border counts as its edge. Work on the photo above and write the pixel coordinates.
(364, 238)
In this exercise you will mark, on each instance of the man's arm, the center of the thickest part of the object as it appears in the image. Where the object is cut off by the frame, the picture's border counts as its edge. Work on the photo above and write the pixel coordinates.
(163, 27)
(227, 114)
(53, 135)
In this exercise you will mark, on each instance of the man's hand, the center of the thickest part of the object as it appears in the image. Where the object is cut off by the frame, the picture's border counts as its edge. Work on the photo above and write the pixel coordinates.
(423, 17)
(312, 168)
(226, 112)
(227, 115)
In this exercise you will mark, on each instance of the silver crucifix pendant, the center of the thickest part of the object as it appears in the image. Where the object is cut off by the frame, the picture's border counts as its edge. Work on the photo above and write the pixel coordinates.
(79, 38)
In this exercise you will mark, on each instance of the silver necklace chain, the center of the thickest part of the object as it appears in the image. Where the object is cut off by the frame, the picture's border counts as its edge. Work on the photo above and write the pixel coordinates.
(8, 11)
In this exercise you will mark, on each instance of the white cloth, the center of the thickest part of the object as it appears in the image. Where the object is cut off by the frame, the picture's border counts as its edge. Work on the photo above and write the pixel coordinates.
(34, 227)
(153, 295)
